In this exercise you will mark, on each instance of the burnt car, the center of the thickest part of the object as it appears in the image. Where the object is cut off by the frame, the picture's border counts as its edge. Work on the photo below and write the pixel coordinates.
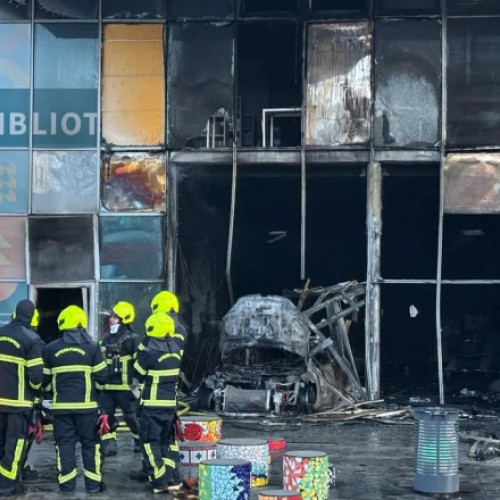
(273, 361)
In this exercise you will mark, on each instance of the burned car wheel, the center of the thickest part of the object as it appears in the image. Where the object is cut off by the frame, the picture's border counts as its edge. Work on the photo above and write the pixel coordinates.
(307, 398)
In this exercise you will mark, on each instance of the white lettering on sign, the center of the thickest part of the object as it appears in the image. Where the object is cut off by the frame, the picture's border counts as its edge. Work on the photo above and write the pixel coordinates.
(67, 124)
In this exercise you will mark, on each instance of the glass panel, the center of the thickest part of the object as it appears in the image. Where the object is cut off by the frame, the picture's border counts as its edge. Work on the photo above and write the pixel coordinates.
(61, 249)
(66, 79)
(14, 9)
(221, 9)
(131, 247)
(471, 7)
(14, 184)
(133, 9)
(15, 43)
(10, 295)
(64, 9)
(200, 83)
(415, 7)
(359, 6)
(473, 82)
(133, 181)
(408, 84)
(338, 84)
(133, 84)
(12, 247)
(266, 244)
(64, 182)
(255, 7)
(138, 294)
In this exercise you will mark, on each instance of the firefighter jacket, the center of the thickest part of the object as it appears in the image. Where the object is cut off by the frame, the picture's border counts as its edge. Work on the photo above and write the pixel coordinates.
(157, 368)
(180, 334)
(21, 364)
(73, 366)
(119, 350)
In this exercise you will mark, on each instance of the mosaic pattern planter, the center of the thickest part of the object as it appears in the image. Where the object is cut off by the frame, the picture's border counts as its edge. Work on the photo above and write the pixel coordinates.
(254, 450)
(276, 444)
(307, 473)
(224, 479)
(279, 494)
(193, 452)
(200, 428)
(331, 476)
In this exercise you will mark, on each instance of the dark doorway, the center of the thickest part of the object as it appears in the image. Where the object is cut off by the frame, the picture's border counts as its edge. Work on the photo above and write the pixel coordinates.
(51, 301)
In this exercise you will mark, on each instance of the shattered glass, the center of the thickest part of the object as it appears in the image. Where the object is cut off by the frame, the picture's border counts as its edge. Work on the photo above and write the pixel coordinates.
(64, 9)
(133, 181)
(14, 171)
(64, 182)
(338, 84)
(133, 9)
(200, 79)
(408, 84)
(131, 247)
(61, 249)
(15, 9)
(12, 247)
(194, 9)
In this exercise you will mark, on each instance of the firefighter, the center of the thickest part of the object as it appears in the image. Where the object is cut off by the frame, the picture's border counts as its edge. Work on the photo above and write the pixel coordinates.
(21, 368)
(73, 366)
(119, 348)
(157, 367)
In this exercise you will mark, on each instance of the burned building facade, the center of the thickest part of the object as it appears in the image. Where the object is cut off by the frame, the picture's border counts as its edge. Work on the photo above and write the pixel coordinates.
(231, 147)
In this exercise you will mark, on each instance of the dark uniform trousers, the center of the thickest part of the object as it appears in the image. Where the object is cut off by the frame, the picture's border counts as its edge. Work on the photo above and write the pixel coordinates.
(13, 429)
(155, 432)
(68, 429)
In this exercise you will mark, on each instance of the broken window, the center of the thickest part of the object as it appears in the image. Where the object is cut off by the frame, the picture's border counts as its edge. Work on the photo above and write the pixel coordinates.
(408, 84)
(132, 9)
(200, 83)
(139, 294)
(204, 200)
(66, 82)
(473, 82)
(64, 182)
(133, 84)
(12, 247)
(62, 9)
(61, 249)
(357, 7)
(267, 7)
(15, 41)
(404, 7)
(471, 247)
(408, 341)
(133, 181)
(335, 245)
(194, 9)
(10, 295)
(410, 221)
(14, 171)
(472, 7)
(338, 84)
(470, 183)
(14, 9)
(270, 94)
(131, 247)
(266, 243)
(470, 340)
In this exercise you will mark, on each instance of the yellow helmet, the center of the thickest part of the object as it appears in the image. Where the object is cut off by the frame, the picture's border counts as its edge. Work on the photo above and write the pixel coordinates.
(165, 302)
(72, 317)
(125, 311)
(160, 325)
(35, 320)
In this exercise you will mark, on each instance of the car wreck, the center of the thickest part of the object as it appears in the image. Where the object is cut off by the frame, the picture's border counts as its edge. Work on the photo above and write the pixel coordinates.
(278, 358)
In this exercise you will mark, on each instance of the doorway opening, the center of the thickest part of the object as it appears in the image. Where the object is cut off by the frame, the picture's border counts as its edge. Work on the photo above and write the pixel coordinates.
(51, 301)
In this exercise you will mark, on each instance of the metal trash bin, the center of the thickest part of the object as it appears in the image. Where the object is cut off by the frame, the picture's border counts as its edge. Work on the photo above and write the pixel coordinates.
(437, 450)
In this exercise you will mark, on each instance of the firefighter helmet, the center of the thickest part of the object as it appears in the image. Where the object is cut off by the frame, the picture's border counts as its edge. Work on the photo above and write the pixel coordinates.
(125, 311)
(72, 317)
(160, 325)
(165, 302)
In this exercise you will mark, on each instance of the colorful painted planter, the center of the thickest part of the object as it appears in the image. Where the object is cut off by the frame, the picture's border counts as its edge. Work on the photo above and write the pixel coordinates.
(254, 450)
(279, 494)
(331, 476)
(276, 444)
(224, 479)
(200, 428)
(307, 473)
(193, 452)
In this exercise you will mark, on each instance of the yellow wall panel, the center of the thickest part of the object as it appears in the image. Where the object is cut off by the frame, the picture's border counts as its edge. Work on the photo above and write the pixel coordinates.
(128, 58)
(133, 32)
(143, 127)
(133, 93)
